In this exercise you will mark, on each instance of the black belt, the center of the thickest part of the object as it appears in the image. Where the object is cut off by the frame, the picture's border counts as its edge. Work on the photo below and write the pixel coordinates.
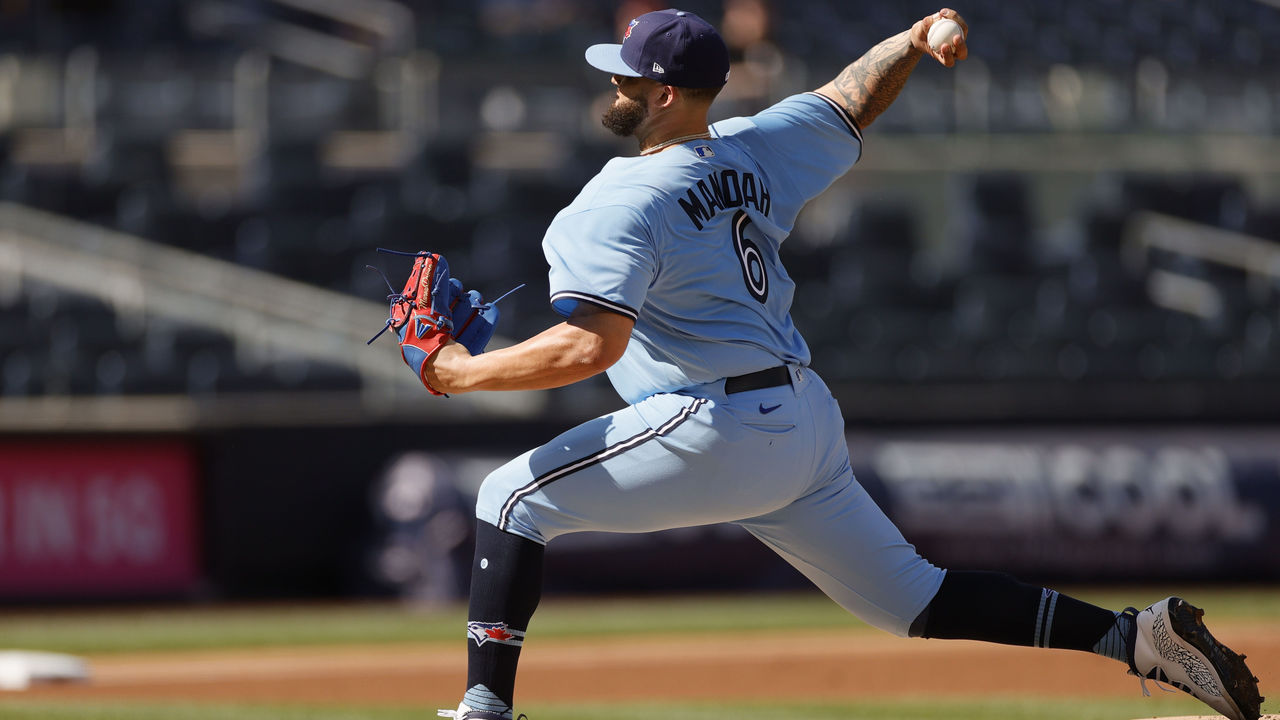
(773, 377)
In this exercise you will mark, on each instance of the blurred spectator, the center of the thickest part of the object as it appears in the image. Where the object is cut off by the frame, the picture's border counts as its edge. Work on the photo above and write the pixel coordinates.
(420, 552)
(757, 63)
(526, 25)
(630, 9)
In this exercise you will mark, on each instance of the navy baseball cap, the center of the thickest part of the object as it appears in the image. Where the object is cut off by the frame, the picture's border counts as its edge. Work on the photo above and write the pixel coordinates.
(673, 47)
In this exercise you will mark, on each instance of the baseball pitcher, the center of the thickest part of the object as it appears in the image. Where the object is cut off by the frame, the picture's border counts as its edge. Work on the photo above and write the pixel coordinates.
(666, 271)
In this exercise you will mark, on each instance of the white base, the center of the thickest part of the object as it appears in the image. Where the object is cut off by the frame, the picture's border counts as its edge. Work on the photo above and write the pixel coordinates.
(20, 668)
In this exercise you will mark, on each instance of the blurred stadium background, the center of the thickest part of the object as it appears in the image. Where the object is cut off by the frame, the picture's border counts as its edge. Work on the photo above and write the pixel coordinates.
(1048, 297)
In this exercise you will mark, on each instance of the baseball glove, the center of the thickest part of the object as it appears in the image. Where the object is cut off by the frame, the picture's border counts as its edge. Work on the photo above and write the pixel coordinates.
(434, 308)
(473, 319)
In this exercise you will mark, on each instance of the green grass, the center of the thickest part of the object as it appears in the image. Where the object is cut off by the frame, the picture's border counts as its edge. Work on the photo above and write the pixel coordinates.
(189, 628)
(128, 630)
(988, 709)
(1219, 603)
(131, 630)
(137, 711)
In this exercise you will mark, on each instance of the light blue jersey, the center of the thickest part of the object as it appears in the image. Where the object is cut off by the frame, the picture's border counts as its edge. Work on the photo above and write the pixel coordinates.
(686, 242)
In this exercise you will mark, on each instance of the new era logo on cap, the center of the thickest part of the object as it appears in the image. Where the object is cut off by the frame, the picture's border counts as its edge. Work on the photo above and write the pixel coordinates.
(671, 46)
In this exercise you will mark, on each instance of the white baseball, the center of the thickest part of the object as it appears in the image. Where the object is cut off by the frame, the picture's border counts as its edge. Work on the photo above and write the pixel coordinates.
(942, 31)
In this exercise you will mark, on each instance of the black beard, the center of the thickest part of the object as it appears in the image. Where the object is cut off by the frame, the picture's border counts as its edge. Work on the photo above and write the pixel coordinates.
(624, 116)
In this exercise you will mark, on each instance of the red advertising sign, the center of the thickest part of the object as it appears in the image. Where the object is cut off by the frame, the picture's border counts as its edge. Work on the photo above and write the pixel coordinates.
(96, 519)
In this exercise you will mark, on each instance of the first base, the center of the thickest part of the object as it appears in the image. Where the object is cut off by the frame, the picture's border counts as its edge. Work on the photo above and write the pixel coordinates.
(20, 668)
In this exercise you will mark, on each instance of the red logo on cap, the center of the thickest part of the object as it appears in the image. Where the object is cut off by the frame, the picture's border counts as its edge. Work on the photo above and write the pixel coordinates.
(627, 34)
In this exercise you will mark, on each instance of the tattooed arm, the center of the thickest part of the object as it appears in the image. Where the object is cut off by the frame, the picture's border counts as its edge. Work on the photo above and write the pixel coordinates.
(868, 86)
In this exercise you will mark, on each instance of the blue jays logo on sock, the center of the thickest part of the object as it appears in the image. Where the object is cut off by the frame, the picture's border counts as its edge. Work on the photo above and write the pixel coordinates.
(483, 632)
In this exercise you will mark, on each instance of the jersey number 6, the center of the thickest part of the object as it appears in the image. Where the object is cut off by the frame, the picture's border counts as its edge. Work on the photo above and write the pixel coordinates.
(749, 256)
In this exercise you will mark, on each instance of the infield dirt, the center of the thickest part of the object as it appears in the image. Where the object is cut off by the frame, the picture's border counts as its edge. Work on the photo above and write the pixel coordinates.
(770, 665)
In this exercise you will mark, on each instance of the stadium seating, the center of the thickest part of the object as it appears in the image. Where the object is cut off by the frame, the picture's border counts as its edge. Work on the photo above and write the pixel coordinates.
(875, 302)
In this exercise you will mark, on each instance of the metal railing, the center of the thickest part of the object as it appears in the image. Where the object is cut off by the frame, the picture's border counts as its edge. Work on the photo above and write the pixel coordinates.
(274, 318)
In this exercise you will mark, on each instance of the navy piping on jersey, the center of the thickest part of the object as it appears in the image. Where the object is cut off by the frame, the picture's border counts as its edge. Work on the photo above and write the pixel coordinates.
(844, 114)
(504, 518)
(595, 300)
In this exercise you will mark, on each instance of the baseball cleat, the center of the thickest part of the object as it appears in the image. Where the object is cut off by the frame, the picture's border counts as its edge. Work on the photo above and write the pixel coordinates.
(465, 713)
(1170, 644)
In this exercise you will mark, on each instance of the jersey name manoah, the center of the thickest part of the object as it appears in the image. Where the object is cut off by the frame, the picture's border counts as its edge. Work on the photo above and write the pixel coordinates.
(686, 242)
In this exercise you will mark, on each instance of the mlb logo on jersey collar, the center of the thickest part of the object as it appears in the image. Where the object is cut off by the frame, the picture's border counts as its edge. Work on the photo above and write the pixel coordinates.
(704, 151)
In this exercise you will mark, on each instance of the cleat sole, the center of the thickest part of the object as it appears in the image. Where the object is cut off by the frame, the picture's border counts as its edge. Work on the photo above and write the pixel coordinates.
(1240, 683)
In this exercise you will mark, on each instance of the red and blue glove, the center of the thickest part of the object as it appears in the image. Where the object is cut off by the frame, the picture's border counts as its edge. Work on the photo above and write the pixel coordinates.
(434, 308)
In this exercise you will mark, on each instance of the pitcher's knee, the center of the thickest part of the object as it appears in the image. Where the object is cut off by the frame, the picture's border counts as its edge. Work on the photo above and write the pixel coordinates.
(901, 613)
(501, 502)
